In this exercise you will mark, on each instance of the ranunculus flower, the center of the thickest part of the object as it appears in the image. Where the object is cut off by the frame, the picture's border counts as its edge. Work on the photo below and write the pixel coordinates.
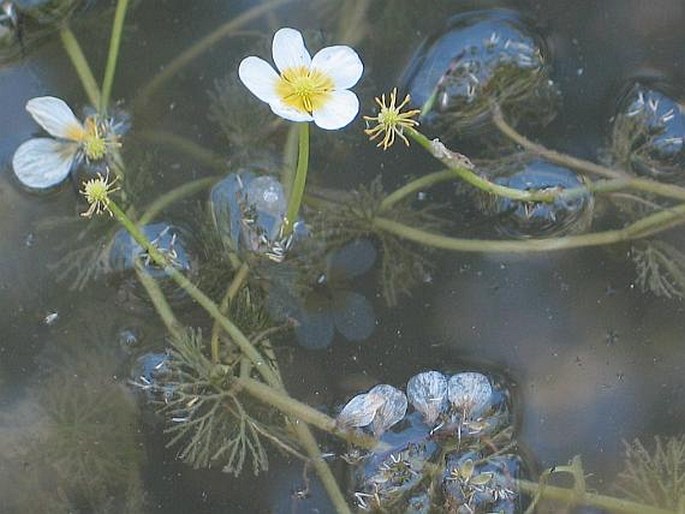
(306, 88)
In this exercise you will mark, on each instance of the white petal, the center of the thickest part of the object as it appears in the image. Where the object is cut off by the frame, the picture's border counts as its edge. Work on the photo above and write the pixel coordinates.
(289, 113)
(259, 77)
(42, 162)
(55, 116)
(341, 63)
(339, 110)
(289, 51)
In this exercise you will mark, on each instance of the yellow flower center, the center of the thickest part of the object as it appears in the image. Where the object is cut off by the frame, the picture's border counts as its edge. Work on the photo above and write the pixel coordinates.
(304, 89)
(94, 143)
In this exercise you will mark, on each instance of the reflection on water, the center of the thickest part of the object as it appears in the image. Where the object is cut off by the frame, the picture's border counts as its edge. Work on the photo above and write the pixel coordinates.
(590, 359)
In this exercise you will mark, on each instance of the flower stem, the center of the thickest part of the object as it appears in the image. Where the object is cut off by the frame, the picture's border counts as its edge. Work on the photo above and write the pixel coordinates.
(78, 60)
(247, 348)
(297, 189)
(644, 227)
(201, 46)
(457, 163)
(112, 57)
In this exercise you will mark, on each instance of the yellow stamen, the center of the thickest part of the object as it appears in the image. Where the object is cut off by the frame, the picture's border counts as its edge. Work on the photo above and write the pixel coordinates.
(304, 89)
(97, 191)
(94, 143)
(391, 121)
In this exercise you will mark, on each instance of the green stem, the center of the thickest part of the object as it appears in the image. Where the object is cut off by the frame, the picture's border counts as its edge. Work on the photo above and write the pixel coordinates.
(238, 280)
(170, 197)
(297, 190)
(573, 497)
(204, 44)
(233, 331)
(159, 301)
(458, 164)
(247, 348)
(309, 415)
(112, 57)
(78, 60)
(642, 228)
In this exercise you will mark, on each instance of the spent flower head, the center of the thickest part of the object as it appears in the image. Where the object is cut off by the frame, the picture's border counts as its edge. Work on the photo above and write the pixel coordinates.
(390, 121)
(43, 162)
(306, 88)
(97, 191)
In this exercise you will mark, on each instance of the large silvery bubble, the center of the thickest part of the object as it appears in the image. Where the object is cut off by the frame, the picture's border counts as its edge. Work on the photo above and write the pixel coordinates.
(248, 212)
(648, 133)
(480, 58)
(569, 213)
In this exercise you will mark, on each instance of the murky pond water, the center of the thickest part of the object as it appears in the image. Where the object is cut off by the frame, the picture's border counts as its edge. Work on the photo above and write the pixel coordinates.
(584, 346)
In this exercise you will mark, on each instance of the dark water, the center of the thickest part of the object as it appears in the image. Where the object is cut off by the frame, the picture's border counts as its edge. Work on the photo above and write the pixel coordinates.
(591, 359)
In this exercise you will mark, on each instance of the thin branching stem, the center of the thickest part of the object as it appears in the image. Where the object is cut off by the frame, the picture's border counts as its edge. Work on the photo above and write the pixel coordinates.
(186, 146)
(80, 63)
(238, 280)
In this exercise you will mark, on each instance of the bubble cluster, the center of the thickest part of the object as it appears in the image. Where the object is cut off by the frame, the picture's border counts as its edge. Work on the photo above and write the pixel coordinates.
(453, 450)
(480, 58)
(248, 212)
(567, 214)
(648, 133)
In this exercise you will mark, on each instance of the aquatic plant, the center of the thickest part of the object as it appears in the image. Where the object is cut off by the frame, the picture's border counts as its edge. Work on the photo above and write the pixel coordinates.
(657, 475)
(224, 398)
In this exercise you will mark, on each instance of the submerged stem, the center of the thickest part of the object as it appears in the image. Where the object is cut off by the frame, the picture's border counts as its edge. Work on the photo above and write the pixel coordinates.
(113, 55)
(247, 348)
(573, 497)
(297, 189)
(78, 60)
(644, 227)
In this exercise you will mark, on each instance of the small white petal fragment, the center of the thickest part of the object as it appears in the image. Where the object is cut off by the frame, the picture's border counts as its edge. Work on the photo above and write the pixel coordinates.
(42, 163)
(339, 110)
(359, 411)
(288, 50)
(427, 392)
(392, 409)
(341, 63)
(260, 78)
(56, 117)
(470, 393)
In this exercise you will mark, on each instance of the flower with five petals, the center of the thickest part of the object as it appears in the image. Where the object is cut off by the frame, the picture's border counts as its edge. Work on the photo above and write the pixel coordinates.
(306, 88)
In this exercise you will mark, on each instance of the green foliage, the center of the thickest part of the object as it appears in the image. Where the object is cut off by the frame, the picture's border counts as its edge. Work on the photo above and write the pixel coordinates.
(660, 268)
(655, 477)
(77, 446)
(209, 422)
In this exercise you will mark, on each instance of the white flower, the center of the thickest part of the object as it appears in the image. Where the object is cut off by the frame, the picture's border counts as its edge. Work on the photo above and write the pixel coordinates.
(306, 89)
(43, 162)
